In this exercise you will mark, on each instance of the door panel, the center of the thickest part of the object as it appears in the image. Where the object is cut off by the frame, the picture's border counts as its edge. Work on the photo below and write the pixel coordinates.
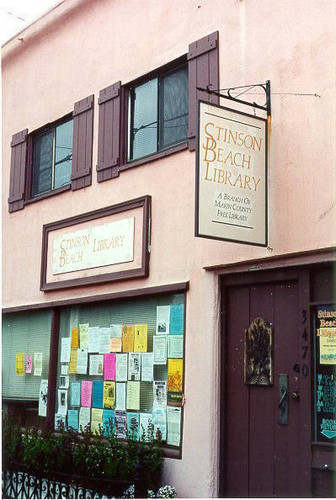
(262, 456)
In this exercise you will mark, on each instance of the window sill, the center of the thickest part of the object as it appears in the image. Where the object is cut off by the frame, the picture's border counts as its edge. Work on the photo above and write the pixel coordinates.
(155, 156)
(48, 195)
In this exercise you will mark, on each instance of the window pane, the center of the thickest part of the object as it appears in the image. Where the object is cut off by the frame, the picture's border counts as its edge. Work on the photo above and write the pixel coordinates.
(42, 163)
(144, 120)
(173, 108)
(63, 154)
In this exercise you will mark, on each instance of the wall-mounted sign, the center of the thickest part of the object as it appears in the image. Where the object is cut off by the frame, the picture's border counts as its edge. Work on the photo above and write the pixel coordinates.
(231, 176)
(105, 245)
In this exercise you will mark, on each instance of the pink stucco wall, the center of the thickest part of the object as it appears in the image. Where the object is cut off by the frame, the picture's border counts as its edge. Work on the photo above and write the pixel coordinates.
(83, 46)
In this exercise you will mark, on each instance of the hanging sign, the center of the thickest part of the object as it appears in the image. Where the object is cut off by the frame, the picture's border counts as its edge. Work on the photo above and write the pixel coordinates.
(231, 176)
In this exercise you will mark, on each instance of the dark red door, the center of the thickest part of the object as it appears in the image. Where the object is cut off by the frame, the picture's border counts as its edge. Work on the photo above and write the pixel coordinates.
(262, 455)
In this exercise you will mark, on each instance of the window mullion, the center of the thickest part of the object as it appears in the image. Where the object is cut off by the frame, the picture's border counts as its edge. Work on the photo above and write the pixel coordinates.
(53, 161)
(158, 114)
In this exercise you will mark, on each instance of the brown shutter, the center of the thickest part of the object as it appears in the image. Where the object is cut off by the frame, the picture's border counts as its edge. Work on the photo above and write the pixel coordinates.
(203, 70)
(109, 132)
(18, 171)
(82, 143)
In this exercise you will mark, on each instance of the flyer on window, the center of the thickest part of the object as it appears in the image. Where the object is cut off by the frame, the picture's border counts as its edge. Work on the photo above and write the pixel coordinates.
(121, 367)
(64, 382)
(159, 394)
(120, 424)
(93, 342)
(146, 426)
(38, 364)
(134, 366)
(59, 422)
(64, 369)
(175, 375)
(73, 361)
(133, 425)
(96, 364)
(74, 338)
(108, 422)
(62, 401)
(160, 350)
(65, 349)
(109, 366)
(128, 338)
(84, 418)
(173, 426)
(115, 344)
(104, 340)
(162, 320)
(20, 364)
(160, 423)
(82, 361)
(84, 335)
(97, 393)
(140, 338)
(43, 397)
(176, 319)
(175, 346)
(86, 393)
(29, 363)
(116, 331)
(109, 394)
(133, 395)
(75, 391)
(147, 366)
(96, 419)
(73, 420)
(120, 396)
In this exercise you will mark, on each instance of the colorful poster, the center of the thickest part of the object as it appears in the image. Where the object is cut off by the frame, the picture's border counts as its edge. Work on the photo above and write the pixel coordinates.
(43, 398)
(59, 422)
(65, 350)
(115, 344)
(116, 331)
(134, 366)
(75, 393)
(84, 335)
(176, 319)
(96, 420)
(162, 320)
(38, 364)
(146, 427)
(147, 366)
(86, 393)
(104, 340)
(108, 422)
(160, 423)
(82, 361)
(84, 419)
(74, 339)
(174, 426)
(109, 366)
(73, 362)
(97, 394)
(73, 420)
(96, 364)
(327, 338)
(29, 363)
(140, 338)
(128, 338)
(93, 342)
(133, 426)
(175, 375)
(64, 369)
(175, 346)
(121, 367)
(121, 396)
(121, 424)
(133, 396)
(20, 363)
(62, 401)
(109, 394)
(64, 382)
(159, 394)
(160, 350)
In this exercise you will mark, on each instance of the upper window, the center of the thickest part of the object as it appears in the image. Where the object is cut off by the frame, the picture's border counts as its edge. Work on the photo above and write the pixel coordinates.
(158, 113)
(52, 158)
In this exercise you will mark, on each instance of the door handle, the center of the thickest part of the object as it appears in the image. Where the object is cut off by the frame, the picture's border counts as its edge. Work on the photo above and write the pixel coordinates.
(296, 395)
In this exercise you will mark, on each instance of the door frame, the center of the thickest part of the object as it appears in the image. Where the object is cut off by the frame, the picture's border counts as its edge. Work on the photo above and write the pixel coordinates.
(301, 276)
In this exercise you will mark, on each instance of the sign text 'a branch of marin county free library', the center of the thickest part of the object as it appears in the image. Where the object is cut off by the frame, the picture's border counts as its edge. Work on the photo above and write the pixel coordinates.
(96, 246)
(231, 182)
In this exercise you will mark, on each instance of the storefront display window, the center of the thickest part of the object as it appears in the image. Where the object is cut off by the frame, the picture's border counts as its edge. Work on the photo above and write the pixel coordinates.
(123, 361)
(325, 374)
